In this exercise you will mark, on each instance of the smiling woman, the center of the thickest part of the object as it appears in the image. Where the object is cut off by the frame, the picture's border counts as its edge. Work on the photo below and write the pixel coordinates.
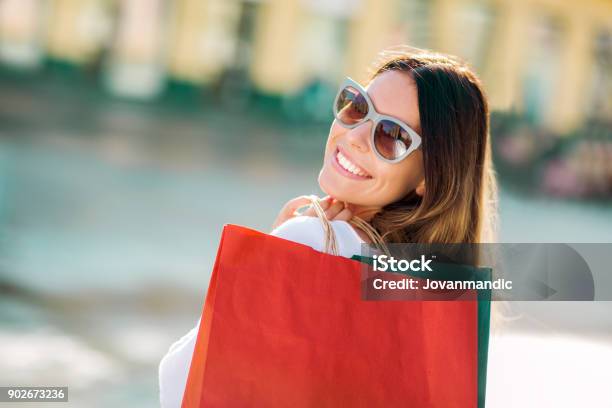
(407, 160)
(410, 152)
(376, 140)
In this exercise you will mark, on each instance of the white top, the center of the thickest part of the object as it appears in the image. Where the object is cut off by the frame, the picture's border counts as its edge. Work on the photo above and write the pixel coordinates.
(174, 367)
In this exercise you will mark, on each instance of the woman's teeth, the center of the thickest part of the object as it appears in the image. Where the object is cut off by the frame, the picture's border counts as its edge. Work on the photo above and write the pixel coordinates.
(350, 167)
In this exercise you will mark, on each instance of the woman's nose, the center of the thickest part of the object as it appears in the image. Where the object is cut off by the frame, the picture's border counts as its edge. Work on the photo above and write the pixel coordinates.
(358, 138)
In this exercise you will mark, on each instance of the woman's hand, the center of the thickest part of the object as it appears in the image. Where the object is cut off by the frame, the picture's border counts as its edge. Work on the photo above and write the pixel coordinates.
(334, 210)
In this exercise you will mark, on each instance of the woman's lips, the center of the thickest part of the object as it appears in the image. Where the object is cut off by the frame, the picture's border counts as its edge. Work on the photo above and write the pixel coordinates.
(346, 167)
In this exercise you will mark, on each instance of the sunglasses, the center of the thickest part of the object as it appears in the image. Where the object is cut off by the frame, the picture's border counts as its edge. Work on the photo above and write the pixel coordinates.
(392, 139)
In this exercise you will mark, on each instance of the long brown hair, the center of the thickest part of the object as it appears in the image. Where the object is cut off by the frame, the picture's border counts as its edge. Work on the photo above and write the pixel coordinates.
(460, 199)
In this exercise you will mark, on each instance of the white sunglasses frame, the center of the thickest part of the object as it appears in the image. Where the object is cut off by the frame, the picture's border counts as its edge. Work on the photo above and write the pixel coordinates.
(375, 117)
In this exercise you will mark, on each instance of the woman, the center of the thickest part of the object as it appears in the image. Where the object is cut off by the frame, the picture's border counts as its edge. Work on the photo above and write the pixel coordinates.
(409, 155)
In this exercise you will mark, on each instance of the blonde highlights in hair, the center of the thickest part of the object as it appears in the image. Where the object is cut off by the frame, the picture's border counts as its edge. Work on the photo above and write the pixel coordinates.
(459, 204)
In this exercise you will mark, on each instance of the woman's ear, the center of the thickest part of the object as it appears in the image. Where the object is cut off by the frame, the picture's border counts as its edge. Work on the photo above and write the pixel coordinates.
(420, 188)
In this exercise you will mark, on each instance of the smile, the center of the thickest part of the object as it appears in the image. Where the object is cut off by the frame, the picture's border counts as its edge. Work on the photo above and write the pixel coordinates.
(348, 168)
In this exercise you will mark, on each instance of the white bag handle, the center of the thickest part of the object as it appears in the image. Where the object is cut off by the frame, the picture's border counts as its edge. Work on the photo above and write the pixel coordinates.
(331, 243)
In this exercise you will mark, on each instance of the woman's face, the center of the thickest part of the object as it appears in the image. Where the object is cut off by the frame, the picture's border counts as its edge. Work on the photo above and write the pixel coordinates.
(378, 183)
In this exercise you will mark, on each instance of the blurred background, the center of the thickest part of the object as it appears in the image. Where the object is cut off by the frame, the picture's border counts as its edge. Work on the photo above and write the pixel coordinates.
(131, 131)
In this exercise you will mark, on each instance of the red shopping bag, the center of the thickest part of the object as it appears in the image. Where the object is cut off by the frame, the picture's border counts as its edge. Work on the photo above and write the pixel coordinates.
(284, 326)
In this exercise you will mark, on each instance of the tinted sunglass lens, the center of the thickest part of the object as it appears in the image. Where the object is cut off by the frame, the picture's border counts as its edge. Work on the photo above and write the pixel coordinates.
(351, 106)
(391, 140)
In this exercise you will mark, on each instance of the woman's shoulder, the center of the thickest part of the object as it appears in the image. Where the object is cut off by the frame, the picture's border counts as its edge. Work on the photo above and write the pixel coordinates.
(309, 231)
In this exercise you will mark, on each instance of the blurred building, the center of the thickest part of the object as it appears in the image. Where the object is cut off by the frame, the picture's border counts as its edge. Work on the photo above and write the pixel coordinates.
(550, 59)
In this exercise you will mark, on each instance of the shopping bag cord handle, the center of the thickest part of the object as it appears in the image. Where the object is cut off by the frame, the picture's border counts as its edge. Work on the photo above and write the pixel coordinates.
(331, 244)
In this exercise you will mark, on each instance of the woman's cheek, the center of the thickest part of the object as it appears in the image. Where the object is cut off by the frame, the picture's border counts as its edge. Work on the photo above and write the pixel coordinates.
(396, 183)
(335, 131)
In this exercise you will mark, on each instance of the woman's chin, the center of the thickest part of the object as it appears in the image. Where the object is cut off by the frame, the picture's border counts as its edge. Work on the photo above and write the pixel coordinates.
(328, 186)
(335, 188)
(323, 184)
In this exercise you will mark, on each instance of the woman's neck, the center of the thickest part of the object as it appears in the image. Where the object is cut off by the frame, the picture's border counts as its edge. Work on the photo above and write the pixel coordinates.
(363, 212)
